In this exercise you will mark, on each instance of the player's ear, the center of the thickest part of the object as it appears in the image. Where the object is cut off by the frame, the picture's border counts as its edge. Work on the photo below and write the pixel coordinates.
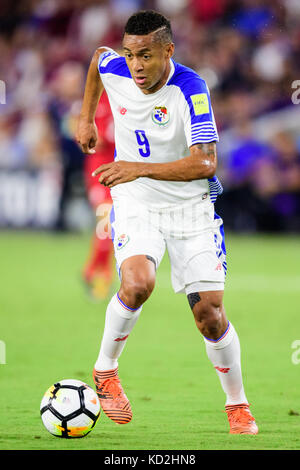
(170, 50)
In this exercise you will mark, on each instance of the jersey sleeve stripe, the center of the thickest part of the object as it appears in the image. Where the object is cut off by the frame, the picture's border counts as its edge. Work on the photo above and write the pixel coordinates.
(209, 125)
(205, 135)
(211, 130)
(204, 131)
(200, 125)
(203, 140)
(203, 123)
(215, 188)
(111, 62)
(108, 55)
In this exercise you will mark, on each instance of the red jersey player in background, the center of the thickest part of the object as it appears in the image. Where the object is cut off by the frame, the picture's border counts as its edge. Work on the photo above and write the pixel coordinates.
(98, 271)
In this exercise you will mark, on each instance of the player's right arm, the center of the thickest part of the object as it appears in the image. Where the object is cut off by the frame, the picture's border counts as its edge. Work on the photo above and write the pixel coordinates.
(87, 134)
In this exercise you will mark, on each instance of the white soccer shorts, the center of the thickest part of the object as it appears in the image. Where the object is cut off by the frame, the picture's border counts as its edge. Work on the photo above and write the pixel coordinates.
(192, 234)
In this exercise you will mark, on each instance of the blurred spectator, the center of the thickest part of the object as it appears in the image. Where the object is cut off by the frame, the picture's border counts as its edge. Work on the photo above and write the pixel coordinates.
(241, 205)
(64, 102)
(277, 181)
(253, 16)
(263, 181)
(98, 272)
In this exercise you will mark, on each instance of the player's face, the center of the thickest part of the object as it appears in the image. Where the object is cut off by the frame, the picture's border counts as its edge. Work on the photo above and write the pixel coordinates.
(148, 61)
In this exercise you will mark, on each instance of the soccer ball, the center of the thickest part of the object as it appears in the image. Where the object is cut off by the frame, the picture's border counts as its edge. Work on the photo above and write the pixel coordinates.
(70, 408)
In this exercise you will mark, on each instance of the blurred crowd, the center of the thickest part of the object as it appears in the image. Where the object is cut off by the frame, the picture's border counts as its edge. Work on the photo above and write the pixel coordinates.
(248, 51)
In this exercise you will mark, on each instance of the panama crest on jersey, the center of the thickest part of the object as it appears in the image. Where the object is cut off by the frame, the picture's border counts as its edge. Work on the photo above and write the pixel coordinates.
(122, 241)
(160, 115)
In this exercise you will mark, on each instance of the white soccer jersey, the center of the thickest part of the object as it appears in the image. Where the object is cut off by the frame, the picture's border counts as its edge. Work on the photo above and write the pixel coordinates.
(159, 127)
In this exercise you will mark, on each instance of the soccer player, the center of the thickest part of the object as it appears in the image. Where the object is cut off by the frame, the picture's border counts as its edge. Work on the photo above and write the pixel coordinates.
(98, 271)
(163, 187)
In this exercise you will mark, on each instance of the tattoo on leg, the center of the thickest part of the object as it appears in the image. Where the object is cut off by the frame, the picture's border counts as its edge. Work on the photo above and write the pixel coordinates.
(193, 299)
(151, 259)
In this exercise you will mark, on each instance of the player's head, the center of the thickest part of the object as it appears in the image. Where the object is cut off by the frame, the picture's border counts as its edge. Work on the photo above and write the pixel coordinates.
(148, 47)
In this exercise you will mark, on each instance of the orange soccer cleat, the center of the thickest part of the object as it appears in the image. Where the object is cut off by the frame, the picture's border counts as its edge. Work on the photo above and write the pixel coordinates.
(111, 395)
(240, 419)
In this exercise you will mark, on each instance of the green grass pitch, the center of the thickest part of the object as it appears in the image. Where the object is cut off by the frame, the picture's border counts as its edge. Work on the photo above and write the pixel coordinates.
(52, 331)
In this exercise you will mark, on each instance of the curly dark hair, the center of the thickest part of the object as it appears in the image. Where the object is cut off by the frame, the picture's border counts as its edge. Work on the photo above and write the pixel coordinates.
(147, 21)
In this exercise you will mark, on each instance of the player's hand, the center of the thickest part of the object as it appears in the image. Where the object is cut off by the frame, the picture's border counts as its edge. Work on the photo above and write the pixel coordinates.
(87, 136)
(117, 172)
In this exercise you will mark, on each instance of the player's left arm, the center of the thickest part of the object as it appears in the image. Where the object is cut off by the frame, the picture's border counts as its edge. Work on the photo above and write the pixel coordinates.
(200, 164)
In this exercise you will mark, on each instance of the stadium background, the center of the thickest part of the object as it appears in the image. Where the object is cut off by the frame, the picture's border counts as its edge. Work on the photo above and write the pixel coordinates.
(249, 53)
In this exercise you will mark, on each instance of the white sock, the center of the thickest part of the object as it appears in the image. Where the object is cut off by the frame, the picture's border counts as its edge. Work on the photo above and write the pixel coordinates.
(119, 322)
(225, 356)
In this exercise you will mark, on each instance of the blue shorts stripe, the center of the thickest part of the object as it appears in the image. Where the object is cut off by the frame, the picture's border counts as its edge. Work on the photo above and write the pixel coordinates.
(222, 232)
(112, 219)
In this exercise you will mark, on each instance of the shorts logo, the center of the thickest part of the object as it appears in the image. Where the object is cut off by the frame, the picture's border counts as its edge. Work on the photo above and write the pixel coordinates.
(160, 115)
(122, 241)
(219, 267)
(122, 111)
(200, 103)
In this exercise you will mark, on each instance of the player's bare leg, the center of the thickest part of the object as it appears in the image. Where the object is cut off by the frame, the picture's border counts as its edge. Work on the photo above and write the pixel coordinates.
(223, 350)
(138, 280)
